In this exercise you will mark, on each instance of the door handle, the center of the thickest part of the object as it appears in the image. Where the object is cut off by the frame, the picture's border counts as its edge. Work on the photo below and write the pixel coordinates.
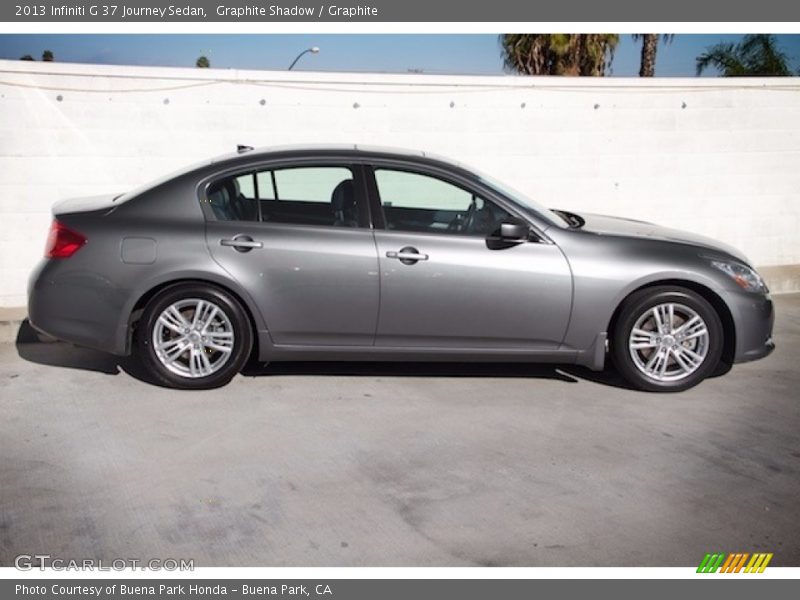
(242, 243)
(408, 255)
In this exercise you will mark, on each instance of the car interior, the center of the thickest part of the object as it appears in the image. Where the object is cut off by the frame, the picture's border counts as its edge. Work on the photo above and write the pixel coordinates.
(234, 199)
(230, 202)
(479, 218)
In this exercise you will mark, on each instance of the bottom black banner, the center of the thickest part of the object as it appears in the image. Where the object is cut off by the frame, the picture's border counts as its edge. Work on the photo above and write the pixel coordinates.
(396, 589)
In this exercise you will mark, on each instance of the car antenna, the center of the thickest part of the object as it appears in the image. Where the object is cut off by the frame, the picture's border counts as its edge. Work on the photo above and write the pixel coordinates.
(241, 148)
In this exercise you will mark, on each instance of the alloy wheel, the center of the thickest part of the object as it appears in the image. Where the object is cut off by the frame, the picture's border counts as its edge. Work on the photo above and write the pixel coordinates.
(193, 338)
(669, 342)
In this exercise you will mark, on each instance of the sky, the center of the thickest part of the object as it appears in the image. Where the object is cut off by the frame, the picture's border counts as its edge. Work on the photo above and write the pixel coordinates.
(431, 53)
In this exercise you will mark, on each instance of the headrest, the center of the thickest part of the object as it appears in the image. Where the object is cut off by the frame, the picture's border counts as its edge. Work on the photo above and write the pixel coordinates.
(343, 196)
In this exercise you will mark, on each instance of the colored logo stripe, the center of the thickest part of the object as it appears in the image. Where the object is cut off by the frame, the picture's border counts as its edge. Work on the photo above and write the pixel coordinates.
(758, 563)
(711, 562)
(733, 563)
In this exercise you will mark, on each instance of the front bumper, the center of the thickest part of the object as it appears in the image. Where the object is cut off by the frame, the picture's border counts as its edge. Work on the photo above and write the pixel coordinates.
(754, 318)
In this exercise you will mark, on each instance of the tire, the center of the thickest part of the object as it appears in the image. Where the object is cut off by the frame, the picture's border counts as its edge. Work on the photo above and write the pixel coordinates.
(182, 352)
(675, 357)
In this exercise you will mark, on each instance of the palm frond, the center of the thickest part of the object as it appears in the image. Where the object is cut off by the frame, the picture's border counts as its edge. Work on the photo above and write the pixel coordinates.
(755, 55)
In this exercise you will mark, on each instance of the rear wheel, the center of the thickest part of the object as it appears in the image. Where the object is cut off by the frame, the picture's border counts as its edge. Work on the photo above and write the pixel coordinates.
(667, 339)
(194, 336)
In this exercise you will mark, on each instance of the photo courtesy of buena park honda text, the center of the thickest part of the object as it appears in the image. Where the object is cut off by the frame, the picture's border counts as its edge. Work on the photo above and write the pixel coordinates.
(399, 300)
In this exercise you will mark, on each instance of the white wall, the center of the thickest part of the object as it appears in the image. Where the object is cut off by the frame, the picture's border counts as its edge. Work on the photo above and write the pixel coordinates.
(718, 157)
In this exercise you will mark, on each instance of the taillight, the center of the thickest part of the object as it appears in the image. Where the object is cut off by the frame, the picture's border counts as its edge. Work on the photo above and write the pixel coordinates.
(62, 242)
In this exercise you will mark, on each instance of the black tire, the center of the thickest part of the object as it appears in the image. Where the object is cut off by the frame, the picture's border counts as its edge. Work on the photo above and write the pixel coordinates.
(640, 302)
(242, 336)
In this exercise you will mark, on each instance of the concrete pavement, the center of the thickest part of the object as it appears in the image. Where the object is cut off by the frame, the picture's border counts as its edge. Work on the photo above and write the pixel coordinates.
(417, 465)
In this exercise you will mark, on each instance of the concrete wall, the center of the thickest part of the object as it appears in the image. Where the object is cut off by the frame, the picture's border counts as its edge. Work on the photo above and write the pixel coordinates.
(718, 157)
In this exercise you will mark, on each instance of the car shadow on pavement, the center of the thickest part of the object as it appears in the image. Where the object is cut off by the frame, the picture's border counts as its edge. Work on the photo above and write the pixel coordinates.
(410, 369)
(33, 347)
(36, 348)
(608, 376)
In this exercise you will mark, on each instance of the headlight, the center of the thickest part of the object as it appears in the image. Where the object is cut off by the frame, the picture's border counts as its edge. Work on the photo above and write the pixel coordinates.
(744, 276)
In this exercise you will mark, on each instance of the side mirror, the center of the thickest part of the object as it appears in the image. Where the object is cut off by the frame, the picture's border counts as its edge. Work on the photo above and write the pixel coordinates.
(509, 234)
(514, 231)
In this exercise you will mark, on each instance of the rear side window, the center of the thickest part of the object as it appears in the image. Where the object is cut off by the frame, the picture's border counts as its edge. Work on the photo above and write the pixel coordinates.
(233, 199)
(320, 196)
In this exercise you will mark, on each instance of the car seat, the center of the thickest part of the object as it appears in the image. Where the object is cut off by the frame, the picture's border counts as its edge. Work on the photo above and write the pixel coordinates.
(343, 204)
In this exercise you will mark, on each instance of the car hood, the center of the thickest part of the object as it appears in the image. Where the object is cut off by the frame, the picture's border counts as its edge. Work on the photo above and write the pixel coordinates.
(606, 225)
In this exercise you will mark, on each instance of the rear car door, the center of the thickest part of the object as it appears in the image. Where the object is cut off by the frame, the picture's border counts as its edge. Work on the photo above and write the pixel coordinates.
(297, 238)
(444, 285)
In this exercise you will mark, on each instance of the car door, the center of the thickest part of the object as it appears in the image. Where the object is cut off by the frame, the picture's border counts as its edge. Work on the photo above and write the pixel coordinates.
(297, 238)
(447, 283)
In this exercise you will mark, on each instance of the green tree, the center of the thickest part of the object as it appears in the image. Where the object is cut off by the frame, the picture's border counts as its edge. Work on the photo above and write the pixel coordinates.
(48, 56)
(756, 55)
(26, 57)
(647, 67)
(559, 53)
(203, 63)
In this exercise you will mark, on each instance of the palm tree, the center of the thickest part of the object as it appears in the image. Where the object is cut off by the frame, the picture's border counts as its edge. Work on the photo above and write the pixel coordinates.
(558, 53)
(203, 62)
(756, 55)
(647, 66)
(47, 56)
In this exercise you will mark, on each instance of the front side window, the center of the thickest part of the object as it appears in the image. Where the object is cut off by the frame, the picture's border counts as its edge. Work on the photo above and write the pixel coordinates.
(420, 203)
(322, 196)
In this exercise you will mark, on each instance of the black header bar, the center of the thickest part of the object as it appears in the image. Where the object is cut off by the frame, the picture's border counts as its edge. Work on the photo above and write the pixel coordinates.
(94, 11)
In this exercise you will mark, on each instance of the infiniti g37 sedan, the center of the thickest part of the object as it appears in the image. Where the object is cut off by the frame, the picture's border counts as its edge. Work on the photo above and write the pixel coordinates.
(351, 253)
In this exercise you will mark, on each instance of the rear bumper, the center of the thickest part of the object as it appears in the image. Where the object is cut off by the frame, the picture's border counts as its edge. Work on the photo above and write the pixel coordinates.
(75, 306)
(754, 318)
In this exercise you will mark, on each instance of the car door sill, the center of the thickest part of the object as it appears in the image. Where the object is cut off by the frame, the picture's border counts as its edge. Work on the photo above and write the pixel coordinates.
(372, 353)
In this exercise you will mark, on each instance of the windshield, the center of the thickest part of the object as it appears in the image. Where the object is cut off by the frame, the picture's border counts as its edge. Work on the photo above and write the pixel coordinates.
(548, 215)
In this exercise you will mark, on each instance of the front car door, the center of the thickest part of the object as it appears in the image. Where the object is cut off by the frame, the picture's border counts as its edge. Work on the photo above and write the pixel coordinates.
(297, 238)
(443, 285)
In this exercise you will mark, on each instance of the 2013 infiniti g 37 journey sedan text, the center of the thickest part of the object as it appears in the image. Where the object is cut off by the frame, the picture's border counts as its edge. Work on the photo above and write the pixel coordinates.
(341, 253)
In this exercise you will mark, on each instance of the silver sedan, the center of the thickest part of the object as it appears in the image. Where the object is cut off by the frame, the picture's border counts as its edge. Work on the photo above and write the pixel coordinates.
(351, 253)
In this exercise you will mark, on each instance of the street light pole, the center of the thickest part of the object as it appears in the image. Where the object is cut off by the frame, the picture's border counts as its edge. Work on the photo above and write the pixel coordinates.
(312, 50)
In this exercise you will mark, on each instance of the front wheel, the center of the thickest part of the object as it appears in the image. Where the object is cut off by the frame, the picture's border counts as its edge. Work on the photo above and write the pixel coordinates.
(667, 339)
(194, 336)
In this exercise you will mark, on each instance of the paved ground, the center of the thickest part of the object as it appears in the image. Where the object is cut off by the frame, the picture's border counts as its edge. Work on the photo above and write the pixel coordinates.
(398, 465)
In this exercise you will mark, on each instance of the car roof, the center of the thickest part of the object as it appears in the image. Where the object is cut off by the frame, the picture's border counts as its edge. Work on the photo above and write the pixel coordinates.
(248, 154)
(263, 151)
